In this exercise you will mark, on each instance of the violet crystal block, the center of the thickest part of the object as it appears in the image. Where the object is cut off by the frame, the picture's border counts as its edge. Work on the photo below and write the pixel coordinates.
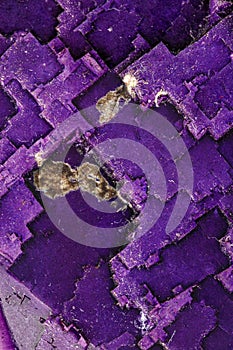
(116, 175)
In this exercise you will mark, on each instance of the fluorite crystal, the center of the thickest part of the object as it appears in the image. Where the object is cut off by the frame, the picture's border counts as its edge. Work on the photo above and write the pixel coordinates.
(76, 75)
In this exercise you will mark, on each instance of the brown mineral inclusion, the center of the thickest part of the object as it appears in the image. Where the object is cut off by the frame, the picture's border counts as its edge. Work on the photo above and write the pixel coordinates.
(56, 179)
(109, 105)
(91, 180)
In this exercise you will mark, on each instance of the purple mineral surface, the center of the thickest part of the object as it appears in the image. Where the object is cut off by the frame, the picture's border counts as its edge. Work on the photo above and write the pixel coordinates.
(116, 121)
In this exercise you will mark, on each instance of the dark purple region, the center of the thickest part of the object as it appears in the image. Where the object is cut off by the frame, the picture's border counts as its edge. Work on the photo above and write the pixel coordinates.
(212, 293)
(196, 256)
(101, 324)
(51, 259)
(8, 108)
(39, 17)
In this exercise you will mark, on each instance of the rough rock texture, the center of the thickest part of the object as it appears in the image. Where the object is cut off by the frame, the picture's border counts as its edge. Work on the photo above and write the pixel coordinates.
(163, 290)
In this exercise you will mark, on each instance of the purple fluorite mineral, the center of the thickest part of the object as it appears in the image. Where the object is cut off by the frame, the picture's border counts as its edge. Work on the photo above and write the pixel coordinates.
(115, 122)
